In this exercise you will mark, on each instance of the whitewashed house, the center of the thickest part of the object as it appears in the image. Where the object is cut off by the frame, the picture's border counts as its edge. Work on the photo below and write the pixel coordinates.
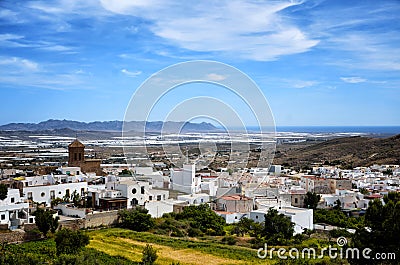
(137, 192)
(185, 180)
(14, 212)
(302, 218)
(43, 189)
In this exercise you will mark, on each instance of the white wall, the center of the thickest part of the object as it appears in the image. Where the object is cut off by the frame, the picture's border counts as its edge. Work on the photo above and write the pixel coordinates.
(195, 199)
(158, 208)
(12, 205)
(41, 194)
(302, 218)
(185, 180)
(70, 210)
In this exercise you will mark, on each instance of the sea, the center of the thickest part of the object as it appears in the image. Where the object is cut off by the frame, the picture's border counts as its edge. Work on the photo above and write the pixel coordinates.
(364, 130)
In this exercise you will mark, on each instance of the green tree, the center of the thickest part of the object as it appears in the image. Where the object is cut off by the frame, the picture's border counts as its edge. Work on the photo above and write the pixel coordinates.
(149, 255)
(338, 205)
(364, 191)
(277, 228)
(136, 219)
(311, 200)
(383, 222)
(203, 218)
(3, 191)
(76, 198)
(125, 172)
(45, 221)
(244, 226)
(70, 242)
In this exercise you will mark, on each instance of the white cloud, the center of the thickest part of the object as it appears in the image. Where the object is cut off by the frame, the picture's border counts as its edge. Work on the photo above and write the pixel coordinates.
(363, 34)
(131, 74)
(11, 40)
(56, 47)
(353, 79)
(21, 63)
(303, 84)
(216, 77)
(246, 29)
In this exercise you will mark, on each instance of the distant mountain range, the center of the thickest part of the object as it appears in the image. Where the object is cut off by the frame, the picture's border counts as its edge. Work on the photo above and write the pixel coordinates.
(112, 126)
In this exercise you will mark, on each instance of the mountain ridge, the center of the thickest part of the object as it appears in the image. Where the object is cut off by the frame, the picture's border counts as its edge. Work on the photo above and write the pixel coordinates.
(112, 126)
(348, 151)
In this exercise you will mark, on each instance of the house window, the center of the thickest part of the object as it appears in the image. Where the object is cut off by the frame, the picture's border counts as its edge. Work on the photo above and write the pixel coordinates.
(75, 156)
(67, 193)
(52, 194)
(31, 220)
(42, 194)
(150, 198)
(12, 199)
(256, 216)
(29, 195)
(295, 200)
(133, 191)
(82, 191)
(158, 197)
(3, 217)
(142, 190)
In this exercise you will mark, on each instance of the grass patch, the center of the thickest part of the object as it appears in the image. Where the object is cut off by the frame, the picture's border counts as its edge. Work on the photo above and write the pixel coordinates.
(130, 244)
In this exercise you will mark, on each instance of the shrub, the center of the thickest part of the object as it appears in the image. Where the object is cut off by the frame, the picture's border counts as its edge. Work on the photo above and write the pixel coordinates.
(230, 240)
(149, 255)
(136, 219)
(70, 242)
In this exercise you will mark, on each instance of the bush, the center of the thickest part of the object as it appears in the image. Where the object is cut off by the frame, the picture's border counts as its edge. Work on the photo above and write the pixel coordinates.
(45, 221)
(149, 255)
(194, 232)
(203, 218)
(230, 240)
(70, 242)
(136, 219)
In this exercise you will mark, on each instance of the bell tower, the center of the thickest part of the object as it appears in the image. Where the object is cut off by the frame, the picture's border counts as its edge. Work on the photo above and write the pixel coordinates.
(76, 154)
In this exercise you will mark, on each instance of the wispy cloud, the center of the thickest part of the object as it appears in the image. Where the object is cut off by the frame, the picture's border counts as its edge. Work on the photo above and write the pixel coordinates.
(358, 36)
(353, 79)
(11, 40)
(216, 77)
(20, 63)
(130, 73)
(250, 30)
(56, 47)
(303, 84)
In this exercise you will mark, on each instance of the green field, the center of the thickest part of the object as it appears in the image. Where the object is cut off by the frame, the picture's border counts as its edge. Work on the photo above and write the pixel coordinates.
(117, 246)
(130, 244)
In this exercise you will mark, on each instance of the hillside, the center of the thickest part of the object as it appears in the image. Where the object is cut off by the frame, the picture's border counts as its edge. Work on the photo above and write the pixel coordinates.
(348, 151)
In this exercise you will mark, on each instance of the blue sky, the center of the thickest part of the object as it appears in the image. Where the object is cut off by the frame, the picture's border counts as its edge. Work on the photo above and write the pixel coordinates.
(318, 62)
